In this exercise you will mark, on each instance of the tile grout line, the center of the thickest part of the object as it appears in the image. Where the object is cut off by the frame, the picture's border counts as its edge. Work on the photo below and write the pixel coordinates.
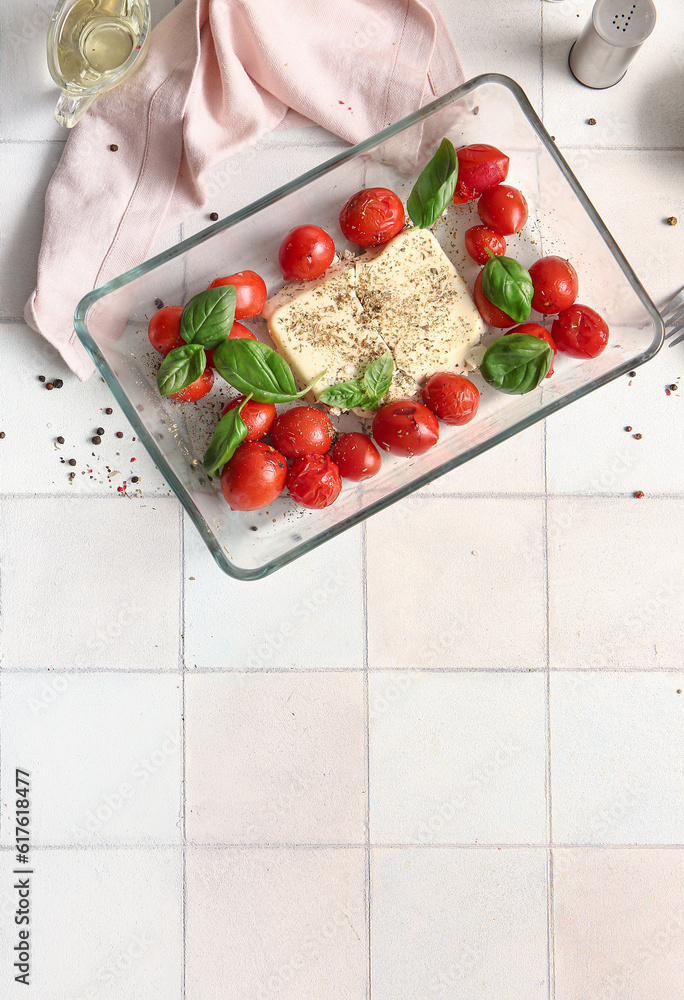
(181, 668)
(549, 793)
(169, 497)
(599, 671)
(408, 846)
(366, 699)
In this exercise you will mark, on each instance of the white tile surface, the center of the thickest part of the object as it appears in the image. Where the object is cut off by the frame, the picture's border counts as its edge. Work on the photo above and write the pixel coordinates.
(104, 923)
(123, 766)
(453, 924)
(311, 611)
(616, 576)
(275, 758)
(482, 606)
(270, 923)
(101, 593)
(617, 771)
(457, 758)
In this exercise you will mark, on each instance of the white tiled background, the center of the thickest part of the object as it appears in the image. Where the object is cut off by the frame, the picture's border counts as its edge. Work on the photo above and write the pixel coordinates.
(460, 774)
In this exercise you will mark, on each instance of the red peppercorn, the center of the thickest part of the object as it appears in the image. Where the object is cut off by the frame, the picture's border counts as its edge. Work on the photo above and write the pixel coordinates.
(119, 434)
(639, 494)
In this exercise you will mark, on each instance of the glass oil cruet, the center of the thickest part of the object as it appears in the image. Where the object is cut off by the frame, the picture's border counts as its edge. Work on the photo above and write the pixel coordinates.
(91, 46)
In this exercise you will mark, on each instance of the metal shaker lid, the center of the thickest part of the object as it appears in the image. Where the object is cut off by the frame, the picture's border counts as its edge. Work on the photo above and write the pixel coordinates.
(610, 40)
(630, 26)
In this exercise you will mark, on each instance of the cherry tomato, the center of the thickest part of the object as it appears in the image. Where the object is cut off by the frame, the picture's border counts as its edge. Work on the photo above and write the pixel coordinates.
(503, 208)
(314, 481)
(490, 313)
(555, 284)
(479, 239)
(536, 330)
(580, 332)
(372, 216)
(251, 292)
(197, 389)
(164, 329)
(254, 477)
(405, 427)
(356, 456)
(237, 332)
(258, 417)
(480, 167)
(453, 398)
(303, 430)
(306, 252)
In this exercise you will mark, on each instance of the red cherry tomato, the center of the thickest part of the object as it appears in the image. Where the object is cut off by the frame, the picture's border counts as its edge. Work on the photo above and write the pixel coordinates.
(254, 477)
(164, 329)
(480, 167)
(314, 481)
(303, 430)
(237, 332)
(258, 417)
(536, 330)
(479, 239)
(555, 284)
(197, 389)
(503, 208)
(356, 456)
(306, 252)
(405, 427)
(251, 292)
(453, 398)
(372, 216)
(490, 313)
(580, 332)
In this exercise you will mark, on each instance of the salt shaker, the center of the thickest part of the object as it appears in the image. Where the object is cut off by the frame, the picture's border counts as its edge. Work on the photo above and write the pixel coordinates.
(609, 41)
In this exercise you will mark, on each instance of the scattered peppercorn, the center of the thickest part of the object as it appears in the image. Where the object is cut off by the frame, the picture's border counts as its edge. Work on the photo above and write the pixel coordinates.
(96, 439)
(2, 434)
(674, 387)
(57, 382)
(135, 479)
(632, 374)
(628, 428)
(60, 440)
(114, 147)
(109, 410)
(672, 221)
(553, 138)
(72, 476)
(214, 216)
(591, 121)
(49, 385)
(119, 489)
(99, 430)
(119, 434)
(638, 436)
(639, 494)
(159, 303)
(679, 690)
(41, 378)
(72, 461)
(132, 460)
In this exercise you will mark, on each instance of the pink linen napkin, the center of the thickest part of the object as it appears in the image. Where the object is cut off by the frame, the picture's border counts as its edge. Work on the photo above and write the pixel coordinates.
(218, 76)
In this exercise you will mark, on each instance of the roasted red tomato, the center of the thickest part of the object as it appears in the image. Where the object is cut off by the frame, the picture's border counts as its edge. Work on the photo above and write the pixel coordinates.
(536, 330)
(453, 398)
(580, 332)
(250, 289)
(314, 481)
(503, 209)
(238, 331)
(254, 477)
(479, 239)
(197, 389)
(372, 216)
(306, 252)
(258, 417)
(490, 313)
(356, 456)
(405, 427)
(555, 284)
(303, 430)
(480, 167)
(164, 329)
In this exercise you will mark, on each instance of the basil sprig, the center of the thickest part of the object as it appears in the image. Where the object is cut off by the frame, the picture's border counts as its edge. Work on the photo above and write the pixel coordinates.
(516, 363)
(366, 392)
(180, 368)
(435, 187)
(231, 431)
(508, 286)
(208, 317)
(258, 371)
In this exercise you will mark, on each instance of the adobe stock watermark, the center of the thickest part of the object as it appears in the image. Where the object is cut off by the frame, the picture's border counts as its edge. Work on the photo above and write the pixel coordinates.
(655, 947)
(118, 964)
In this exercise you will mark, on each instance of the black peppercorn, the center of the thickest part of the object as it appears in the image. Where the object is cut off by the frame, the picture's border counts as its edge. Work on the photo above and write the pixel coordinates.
(2, 434)
(57, 382)
(632, 374)
(41, 378)
(96, 439)
(99, 430)
(674, 387)
(72, 461)
(135, 479)
(109, 410)
(214, 216)
(113, 147)
(60, 440)
(159, 304)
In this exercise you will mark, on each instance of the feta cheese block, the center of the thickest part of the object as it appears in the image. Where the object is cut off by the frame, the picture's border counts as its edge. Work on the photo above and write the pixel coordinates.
(405, 296)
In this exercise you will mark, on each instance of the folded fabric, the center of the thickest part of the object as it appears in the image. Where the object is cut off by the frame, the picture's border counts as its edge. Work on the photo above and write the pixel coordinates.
(219, 75)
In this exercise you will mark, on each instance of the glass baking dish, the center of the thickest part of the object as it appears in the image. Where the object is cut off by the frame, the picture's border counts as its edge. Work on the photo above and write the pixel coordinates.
(112, 320)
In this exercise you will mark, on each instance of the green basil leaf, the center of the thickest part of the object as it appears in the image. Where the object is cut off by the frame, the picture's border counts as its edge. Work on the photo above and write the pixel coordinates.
(344, 395)
(435, 187)
(516, 363)
(231, 431)
(180, 368)
(508, 286)
(378, 377)
(255, 369)
(208, 317)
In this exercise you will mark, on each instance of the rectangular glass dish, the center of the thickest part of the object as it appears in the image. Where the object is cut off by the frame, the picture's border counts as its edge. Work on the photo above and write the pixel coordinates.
(112, 320)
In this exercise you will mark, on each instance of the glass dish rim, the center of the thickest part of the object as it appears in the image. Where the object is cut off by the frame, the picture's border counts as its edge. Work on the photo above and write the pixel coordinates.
(89, 300)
